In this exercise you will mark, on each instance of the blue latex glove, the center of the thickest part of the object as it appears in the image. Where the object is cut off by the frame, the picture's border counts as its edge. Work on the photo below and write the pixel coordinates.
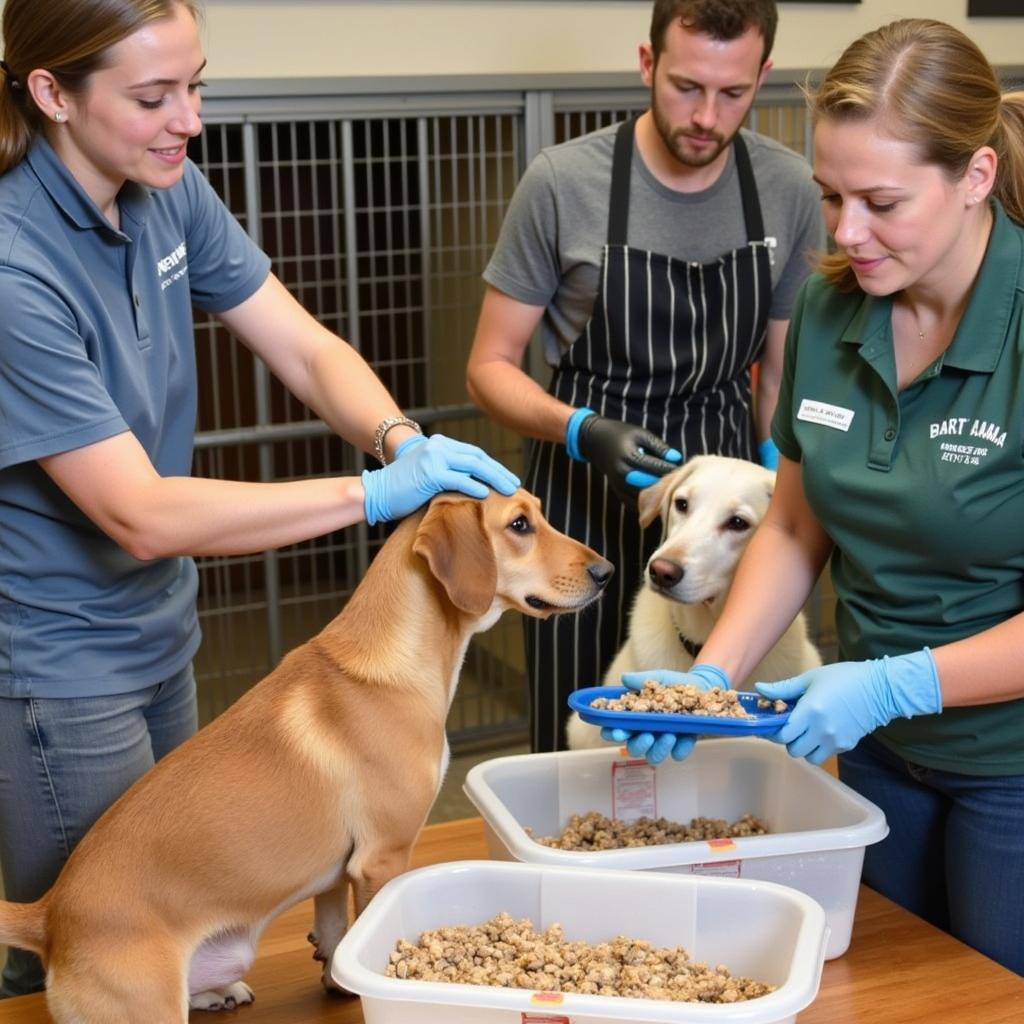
(657, 746)
(629, 456)
(768, 454)
(841, 703)
(423, 467)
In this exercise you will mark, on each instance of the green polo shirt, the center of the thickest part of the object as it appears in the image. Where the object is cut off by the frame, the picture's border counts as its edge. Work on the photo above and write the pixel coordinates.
(922, 490)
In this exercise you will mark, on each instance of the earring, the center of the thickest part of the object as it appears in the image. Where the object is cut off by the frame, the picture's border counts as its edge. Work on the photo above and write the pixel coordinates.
(58, 115)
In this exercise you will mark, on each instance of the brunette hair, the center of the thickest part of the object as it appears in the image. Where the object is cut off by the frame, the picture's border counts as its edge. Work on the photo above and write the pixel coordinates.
(720, 19)
(931, 86)
(71, 39)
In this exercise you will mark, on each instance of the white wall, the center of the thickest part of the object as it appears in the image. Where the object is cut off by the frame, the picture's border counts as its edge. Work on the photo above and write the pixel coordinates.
(285, 38)
(257, 38)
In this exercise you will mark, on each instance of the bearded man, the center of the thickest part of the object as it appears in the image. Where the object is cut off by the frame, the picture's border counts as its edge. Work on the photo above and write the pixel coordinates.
(660, 258)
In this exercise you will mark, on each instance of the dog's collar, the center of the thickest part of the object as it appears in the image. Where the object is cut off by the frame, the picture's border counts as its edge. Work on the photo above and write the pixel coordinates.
(692, 649)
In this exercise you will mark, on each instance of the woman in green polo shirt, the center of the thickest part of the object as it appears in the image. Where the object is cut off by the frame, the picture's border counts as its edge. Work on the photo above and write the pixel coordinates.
(901, 426)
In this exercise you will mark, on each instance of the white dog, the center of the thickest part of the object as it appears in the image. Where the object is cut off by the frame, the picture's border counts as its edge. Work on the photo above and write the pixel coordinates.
(709, 508)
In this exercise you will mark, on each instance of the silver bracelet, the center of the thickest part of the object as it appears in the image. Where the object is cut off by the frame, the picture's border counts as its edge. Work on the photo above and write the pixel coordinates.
(383, 427)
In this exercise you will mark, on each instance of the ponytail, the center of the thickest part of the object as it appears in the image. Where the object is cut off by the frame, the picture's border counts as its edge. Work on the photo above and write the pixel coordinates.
(16, 130)
(1009, 186)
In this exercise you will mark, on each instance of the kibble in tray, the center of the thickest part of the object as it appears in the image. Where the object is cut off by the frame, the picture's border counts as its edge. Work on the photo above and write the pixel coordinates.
(594, 831)
(680, 709)
(510, 953)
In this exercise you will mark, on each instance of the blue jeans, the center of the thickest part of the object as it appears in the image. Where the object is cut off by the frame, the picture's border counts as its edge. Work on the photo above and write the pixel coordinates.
(63, 762)
(955, 850)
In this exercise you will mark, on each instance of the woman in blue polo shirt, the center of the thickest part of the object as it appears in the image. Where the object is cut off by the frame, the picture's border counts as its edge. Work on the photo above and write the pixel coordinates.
(108, 236)
(901, 426)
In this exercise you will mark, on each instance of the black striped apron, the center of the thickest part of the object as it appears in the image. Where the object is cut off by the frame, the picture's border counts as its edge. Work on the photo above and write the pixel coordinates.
(669, 346)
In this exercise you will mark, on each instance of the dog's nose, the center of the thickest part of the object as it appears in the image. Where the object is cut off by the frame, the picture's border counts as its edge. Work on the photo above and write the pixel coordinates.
(601, 572)
(664, 573)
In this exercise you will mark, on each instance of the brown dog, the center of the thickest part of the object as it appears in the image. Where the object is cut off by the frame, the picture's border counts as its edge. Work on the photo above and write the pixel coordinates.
(320, 775)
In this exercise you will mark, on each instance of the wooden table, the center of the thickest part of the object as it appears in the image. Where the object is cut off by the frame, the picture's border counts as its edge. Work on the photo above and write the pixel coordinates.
(898, 970)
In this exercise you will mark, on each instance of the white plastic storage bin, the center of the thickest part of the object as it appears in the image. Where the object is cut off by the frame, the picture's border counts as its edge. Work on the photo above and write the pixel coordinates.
(764, 931)
(819, 827)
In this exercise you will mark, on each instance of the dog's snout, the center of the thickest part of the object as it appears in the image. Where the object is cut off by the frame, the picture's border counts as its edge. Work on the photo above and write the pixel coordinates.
(664, 572)
(601, 572)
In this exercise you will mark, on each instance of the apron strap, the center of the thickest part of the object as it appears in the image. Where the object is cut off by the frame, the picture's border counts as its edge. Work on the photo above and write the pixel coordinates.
(622, 162)
(748, 191)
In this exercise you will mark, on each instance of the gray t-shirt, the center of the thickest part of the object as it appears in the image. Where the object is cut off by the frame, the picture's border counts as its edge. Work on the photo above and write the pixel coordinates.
(549, 250)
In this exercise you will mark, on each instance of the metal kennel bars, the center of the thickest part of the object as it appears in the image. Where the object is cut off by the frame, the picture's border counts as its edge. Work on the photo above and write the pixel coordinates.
(378, 202)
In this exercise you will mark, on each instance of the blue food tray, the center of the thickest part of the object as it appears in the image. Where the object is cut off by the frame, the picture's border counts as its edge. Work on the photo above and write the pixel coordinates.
(764, 723)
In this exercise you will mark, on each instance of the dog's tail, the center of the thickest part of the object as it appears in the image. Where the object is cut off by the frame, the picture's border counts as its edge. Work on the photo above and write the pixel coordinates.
(24, 925)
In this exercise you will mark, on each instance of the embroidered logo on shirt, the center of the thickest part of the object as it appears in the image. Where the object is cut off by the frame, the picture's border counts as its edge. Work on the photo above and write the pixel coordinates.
(966, 427)
(174, 264)
(834, 416)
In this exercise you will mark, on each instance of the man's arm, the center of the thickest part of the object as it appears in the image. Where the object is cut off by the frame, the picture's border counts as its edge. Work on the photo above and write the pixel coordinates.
(496, 382)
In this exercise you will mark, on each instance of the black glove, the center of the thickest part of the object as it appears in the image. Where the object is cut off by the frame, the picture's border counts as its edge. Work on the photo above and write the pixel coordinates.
(629, 456)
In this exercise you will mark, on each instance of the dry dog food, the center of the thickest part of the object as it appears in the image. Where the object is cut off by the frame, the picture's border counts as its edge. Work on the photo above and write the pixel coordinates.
(509, 953)
(683, 699)
(594, 831)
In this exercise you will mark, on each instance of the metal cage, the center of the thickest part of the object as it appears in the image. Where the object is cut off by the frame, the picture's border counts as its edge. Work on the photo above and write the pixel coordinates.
(379, 210)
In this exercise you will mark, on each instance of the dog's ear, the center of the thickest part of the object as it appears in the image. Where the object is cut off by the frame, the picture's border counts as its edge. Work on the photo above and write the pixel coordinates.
(650, 499)
(453, 541)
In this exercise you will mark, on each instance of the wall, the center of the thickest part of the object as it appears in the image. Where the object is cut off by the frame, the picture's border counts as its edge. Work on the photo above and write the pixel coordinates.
(256, 38)
(285, 38)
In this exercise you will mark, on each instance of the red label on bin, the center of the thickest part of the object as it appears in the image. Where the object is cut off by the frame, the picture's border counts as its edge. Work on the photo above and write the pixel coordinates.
(551, 998)
(543, 1018)
(721, 845)
(634, 790)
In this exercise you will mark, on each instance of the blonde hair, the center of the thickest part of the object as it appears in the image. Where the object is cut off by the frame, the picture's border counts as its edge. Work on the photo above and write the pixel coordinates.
(71, 39)
(931, 86)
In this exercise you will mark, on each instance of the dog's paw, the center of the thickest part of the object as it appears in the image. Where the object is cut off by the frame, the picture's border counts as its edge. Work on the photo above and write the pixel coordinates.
(236, 994)
(330, 985)
(318, 953)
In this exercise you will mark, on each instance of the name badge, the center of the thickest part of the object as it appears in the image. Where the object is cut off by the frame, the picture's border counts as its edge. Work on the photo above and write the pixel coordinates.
(834, 416)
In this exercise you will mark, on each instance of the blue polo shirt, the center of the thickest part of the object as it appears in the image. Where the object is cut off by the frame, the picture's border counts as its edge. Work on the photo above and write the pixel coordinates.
(922, 490)
(96, 338)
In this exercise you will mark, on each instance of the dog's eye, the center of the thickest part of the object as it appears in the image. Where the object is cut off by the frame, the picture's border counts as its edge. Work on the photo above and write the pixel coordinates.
(682, 505)
(520, 525)
(737, 524)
